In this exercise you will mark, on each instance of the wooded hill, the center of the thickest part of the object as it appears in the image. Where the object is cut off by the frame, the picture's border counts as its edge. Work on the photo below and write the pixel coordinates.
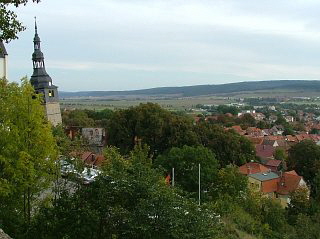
(200, 90)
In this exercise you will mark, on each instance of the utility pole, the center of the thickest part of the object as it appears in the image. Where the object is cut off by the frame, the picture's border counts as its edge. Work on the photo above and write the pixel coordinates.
(199, 184)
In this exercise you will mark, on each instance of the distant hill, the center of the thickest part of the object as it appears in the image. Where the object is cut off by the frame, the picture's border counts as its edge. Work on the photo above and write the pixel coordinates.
(200, 90)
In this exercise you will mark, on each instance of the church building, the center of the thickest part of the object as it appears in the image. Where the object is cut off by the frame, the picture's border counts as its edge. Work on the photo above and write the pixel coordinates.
(3, 61)
(42, 83)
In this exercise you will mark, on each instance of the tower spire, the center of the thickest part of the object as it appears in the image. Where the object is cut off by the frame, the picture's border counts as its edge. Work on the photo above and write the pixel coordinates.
(42, 82)
(35, 25)
(40, 77)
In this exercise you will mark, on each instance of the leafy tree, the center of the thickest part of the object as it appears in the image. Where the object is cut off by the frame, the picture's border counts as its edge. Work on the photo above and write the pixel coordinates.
(10, 26)
(27, 152)
(304, 157)
(77, 118)
(223, 109)
(299, 203)
(247, 120)
(306, 228)
(228, 146)
(314, 131)
(151, 125)
(130, 200)
(186, 162)
(229, 182)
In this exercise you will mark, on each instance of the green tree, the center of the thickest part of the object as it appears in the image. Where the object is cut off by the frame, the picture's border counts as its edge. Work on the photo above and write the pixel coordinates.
(10, 26)
(27, 152)
(299, 203)
(229, 182)
(304, 157)
(185, 162)
(77, 118)
(280, 154)
(228, 146)
(150, 124)
(247, 120)
(129, 200)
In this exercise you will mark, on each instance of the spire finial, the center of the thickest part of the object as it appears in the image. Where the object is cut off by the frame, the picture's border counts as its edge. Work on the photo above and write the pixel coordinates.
(35, 25)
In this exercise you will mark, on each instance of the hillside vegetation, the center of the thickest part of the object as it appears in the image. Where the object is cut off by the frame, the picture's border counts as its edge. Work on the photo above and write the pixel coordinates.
(199, 90)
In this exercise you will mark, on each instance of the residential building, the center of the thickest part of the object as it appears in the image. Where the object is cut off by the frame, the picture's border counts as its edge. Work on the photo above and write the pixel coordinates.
(266, 182)
(289, 182)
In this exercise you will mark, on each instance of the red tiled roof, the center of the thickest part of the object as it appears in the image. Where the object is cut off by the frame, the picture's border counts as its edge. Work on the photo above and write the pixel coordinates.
(288, 183)
(293, 172)
(264, 151)
(255, 140)
(253, 129)
(274, 137)
(273, 162)
(237, 128)
(291, 138)
(85, 156)
(252, 168)
(99, 160)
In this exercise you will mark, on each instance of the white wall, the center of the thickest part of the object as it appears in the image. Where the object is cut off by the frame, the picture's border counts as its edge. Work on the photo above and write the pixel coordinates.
(4, 67)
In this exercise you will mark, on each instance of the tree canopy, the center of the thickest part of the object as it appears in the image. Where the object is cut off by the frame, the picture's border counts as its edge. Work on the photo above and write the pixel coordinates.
(27, 151)
(10, 26)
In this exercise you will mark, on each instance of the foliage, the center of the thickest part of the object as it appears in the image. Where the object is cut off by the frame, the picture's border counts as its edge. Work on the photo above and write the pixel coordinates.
(223, 109)
(185, 162)
(228, 146)
(150, 124)
(229, 182)
(77, 118)
(10, 26)
(280, 154)
(304, 157)
(299, 203)
(27, 152)
(130, 200)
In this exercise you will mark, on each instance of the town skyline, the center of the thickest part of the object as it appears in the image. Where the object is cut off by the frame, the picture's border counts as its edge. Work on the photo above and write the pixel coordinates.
(140, 44)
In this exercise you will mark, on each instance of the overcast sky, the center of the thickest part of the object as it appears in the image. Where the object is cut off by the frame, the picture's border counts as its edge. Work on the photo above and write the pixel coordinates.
(135, 44)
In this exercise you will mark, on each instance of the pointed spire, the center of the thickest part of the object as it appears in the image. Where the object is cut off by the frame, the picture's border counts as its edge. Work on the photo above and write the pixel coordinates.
(35, 25)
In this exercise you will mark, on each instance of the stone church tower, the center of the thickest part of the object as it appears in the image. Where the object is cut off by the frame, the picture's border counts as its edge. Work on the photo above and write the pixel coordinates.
(3, 61)
(42, 84)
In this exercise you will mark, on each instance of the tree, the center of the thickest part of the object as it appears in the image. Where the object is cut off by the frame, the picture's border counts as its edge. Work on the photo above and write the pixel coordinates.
(10, 26)
(150, 124)
(299, 204)
(228, 146)
(129, 200)
(185, 162)
(230, 182)
(304, 157)
(247, 120)
(77, 118)
(27, 152)
(280, 154)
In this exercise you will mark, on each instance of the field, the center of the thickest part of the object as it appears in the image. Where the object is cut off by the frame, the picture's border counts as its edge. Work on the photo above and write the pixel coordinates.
(186, 103)
(170, 104)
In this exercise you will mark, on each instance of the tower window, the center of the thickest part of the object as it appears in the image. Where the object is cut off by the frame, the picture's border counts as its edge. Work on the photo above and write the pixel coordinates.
(51, 93)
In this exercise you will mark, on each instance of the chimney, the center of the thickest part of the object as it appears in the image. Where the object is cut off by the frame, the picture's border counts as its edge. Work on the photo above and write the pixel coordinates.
(248, 169)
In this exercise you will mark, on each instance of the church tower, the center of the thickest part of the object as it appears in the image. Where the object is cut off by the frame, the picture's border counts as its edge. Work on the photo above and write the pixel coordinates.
(42, 83)
(3, 61)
